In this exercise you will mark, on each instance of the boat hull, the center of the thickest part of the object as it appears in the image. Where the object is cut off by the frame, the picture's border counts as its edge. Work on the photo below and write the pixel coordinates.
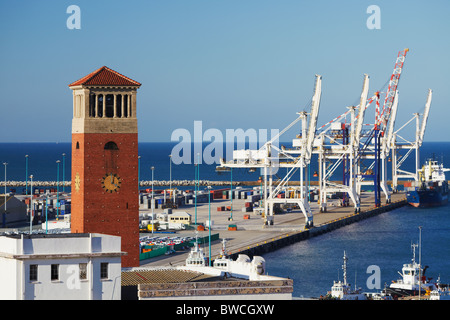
(400, 292)
(427, 198)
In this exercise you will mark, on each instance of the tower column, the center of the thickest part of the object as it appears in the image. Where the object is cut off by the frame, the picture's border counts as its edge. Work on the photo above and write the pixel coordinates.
(122, 105)
(129, 106)
(133, 103)
(97, 112)
(104, 106)
(115, 105)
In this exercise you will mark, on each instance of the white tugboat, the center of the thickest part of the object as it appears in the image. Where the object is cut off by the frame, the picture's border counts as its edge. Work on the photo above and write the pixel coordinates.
(223, 261)
(413, 280)
(442, 292)
(242, 267)
(341, 290)
(196, 257)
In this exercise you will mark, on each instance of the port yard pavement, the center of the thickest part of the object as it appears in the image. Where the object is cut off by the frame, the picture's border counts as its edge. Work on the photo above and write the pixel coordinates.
(251, 232)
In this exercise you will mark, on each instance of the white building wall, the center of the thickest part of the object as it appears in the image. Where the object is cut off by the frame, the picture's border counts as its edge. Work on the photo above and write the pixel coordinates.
(17, 254)
(9, 286)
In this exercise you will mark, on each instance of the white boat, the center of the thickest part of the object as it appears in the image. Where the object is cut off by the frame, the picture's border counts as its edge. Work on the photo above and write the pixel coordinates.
(341, 290)
(196, 257)
(442, 292)
(413, 280)
(223, 261)
(242, 267)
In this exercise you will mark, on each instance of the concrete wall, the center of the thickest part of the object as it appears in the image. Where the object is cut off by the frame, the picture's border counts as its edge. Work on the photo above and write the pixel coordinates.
(16, 211)
(218, 290)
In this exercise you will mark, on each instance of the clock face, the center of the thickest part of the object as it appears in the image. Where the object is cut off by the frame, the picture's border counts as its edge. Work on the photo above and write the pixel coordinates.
(77, 182)
(111, 182)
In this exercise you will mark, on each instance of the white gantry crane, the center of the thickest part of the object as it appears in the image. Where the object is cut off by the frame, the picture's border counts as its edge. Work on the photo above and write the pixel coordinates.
(269, 159)
(398, 143)
(344, 145)
(361, 155)
(332, 153)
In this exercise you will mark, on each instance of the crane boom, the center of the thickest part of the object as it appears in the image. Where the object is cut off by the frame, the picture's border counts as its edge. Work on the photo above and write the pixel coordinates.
(313, 118)
(392, 89)
(387, 139)
(425, 116)
(362, 110)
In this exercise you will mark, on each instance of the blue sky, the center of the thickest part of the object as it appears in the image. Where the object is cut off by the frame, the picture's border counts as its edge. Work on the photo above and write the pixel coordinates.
(231, 64)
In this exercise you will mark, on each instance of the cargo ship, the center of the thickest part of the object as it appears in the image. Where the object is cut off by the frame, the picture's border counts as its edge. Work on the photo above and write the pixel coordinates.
(433, 187)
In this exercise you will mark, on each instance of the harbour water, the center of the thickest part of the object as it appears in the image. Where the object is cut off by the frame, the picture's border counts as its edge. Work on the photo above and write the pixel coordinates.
(43, 156)
(384, 241)
(313, 264)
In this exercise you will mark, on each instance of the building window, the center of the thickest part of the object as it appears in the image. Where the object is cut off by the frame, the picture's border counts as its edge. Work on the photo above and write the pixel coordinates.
(92, 99)
(54, 276)
(100, 102)
(104, 270)
(111, 145)
(83, 271)
(125, 106)
(119, 106)
(33, 272)
(109, 110)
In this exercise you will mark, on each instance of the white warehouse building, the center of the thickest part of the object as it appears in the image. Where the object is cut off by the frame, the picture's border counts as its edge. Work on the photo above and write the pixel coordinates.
(78, 266)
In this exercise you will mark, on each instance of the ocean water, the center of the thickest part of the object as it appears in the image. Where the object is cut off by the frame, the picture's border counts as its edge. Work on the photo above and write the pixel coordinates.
(42, 164)
(383, 240)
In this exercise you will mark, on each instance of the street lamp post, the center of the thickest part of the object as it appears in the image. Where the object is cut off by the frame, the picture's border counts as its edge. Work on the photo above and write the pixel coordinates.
(231, 193)
(209, 218)
(170, 171)
(197, 184)
(46, 214)
(153, 198)
(31, 204)
(64, 170)
(195, 192)
(57, 190)
(4, 213)
(26, 174)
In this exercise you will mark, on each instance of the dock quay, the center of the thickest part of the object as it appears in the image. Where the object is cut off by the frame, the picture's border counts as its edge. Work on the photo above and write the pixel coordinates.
(251, 237)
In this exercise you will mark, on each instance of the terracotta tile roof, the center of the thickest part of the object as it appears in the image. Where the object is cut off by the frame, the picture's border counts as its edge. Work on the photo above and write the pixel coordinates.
(105, 76)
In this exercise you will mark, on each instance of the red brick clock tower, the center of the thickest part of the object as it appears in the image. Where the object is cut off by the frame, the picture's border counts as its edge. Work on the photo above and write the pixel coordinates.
(105, 159)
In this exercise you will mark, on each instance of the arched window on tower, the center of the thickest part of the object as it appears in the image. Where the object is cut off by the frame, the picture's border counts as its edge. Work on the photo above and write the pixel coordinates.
(109, 105)
(119, 106)
(100, 105)
(92, 110)
(111, 145)
(125, 106)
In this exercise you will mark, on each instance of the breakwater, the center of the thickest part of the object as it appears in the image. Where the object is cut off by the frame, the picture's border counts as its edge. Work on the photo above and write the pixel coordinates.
(156, 183)
(159, 183)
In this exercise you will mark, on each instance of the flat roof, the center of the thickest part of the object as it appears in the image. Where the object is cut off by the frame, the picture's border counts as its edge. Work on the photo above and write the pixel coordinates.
(49, 236)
